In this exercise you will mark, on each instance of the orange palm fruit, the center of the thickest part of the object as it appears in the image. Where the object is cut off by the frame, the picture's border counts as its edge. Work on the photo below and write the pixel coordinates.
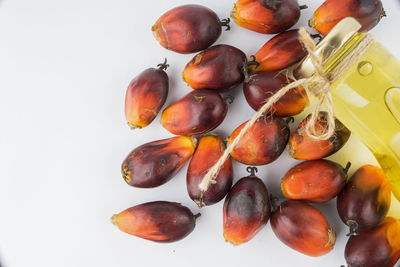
(261, 85)
(303, 228)
(263, 143)
(365, 200)
(155, 163)
(145, 96)
(314, 180)
(208, 151)
(220, 67)
(378, 247)
(179, 29)
(246, 209)
(367, 12)
(266, 16)
(158, 221)
(303, 147)
(280, 52)
(198, 112)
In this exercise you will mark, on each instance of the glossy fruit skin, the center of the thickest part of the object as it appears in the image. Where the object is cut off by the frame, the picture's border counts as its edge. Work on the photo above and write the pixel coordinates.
(145, 96)
(367, 12)
(246, 210)
(158, 221)
(280, 52)
(179, 29)
(263, 143)
(198, 112)
(365, 199)
(378, 247)
(314, 181)
(220, 67)
(303, 228)
(209, 150)
(303, 147)
(260, 86)
(266, 16)
(155, 163)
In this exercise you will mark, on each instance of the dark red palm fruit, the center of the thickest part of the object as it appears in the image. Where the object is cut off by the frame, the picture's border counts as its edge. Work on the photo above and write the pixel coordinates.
(280, 52)
(314, 180)
(198, 112)
(303, 147)
(266, 16)
(365, 200)
(378, 247)
(263, 143)
(220, 67)
(158, 221)
(246, 209)
(260, 86)
(303, 228)
(209, 150)
(145, 96)
(367, 12)
(155, 163)
(179, 29)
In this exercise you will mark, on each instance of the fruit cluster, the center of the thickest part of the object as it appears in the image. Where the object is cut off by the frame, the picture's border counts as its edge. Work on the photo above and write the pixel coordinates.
(362, 200)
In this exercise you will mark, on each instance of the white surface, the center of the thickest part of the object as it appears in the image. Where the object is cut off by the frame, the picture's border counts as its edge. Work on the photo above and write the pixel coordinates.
(64, 69)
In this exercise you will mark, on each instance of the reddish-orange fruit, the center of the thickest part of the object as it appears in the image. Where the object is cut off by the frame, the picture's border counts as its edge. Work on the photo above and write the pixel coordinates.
(367, 12)
(365, 200)
(260, 86)
(378, 247)
(315, 180)
(303, 228)
(246, 209)
(158, 221)
(263, 143)
(303, 147)
(155, 163)
(266, 16)
(179, 29)
(209, 150)
(198, 112)
(220, 67)
(281, 52)
(145, 96)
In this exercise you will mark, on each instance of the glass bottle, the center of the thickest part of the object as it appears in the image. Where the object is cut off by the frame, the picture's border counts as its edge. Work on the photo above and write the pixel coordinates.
(366, 97)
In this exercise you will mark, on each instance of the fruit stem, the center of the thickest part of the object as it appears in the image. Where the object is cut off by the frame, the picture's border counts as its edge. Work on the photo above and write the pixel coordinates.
(253, 62)
(225, 23)
(353, 227)
(134, 127)
(114, 219)
(229, 99)
(163, 66)
(252, 171)
(197, 216)
(383, 14)
(303, 7)
(289, 120)
(317, 36)
(200, 203)
(347, 168)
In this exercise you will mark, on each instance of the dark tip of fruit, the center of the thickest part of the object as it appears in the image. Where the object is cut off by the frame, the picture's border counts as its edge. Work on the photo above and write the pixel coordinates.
(252, 171)
(353, 228)
(289, 120)
(197, 216)
(225, 23)
(229, 99)
(164, 65)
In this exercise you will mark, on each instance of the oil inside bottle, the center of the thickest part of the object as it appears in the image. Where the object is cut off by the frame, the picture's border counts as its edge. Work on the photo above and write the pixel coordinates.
(367, 100)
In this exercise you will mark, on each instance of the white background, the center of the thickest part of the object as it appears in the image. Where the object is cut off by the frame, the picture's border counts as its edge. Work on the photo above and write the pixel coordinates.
(64, 69)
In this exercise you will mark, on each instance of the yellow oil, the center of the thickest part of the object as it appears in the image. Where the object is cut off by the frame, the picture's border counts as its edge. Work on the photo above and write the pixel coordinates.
(367, 100)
